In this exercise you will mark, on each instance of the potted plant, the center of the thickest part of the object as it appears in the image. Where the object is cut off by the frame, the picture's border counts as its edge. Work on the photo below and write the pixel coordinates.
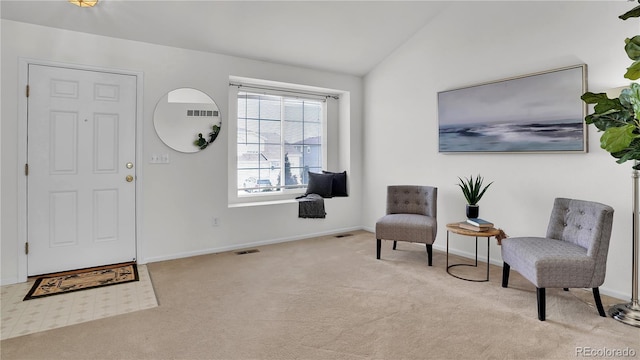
(619, 120)
(202, 143)
(473, 191)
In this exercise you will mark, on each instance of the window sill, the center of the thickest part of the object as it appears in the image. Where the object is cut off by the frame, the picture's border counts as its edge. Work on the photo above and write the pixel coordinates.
(261, 203)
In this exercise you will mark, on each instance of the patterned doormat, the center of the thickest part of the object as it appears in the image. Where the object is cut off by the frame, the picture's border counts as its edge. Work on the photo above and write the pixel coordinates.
(83, 279)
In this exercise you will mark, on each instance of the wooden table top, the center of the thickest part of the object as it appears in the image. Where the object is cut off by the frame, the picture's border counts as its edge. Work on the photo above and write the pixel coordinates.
(454, 228)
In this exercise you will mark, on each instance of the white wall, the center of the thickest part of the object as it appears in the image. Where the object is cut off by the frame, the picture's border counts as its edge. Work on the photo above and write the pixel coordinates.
(180, 199)
(476, 42)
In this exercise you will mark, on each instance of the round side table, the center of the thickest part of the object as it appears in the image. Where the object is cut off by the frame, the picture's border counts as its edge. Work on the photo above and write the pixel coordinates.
(456, 229)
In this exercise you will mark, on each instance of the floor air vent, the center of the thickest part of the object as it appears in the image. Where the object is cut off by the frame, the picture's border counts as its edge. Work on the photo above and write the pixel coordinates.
(343, 235)
(250, 251)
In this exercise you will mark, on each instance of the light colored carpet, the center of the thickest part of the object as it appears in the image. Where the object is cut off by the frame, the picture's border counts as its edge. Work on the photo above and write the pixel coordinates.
(329, 298)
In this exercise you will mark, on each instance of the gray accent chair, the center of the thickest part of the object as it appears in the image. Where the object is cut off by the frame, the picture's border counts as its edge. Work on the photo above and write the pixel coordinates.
(572, 255)
(411, 216)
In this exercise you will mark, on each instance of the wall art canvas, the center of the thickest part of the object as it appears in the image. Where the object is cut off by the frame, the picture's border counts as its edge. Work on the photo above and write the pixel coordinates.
(540, 112)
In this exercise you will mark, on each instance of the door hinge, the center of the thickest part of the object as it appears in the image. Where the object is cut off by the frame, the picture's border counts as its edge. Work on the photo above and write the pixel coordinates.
(27, 92)
(26, 169)
(26, 248)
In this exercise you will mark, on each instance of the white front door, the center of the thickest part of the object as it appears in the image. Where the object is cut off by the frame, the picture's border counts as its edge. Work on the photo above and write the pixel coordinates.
(81, 171)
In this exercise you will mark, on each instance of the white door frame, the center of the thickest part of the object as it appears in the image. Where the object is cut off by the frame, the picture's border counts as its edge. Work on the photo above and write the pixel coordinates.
(23, 64)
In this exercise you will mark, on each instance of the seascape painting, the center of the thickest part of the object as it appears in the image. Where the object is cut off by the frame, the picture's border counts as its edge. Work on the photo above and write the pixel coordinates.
(541, 112)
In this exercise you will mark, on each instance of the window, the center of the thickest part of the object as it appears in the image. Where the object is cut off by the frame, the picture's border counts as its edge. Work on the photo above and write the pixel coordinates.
(280, 138)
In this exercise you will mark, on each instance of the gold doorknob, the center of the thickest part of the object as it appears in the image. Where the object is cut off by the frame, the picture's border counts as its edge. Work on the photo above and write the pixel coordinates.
(129, 178)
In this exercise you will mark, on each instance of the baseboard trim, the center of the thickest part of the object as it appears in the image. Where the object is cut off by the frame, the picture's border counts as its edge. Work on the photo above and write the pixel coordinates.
(245, 245)
(9, 281)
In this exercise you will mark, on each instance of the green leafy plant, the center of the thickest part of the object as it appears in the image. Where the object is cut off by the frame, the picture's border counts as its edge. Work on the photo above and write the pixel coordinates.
(202, 143)
(472, 188)
(619, 118)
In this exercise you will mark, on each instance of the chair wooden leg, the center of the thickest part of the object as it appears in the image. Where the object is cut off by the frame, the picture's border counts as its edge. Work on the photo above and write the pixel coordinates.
(505, 274)
(430, 254)
(542, 304)
(596, 297)
(394, 244)
(378, 246)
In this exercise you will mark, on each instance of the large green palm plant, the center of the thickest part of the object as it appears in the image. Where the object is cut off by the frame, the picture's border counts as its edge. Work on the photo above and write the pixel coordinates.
(619, 118)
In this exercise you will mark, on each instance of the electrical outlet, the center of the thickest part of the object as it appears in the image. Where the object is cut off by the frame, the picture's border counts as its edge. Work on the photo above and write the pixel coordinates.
(215, 221)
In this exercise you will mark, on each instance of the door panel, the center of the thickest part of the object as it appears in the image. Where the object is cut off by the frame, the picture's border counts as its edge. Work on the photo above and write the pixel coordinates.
(63, 148)
(63, 210)
(81, 134)
(105, 146)
(105, 214)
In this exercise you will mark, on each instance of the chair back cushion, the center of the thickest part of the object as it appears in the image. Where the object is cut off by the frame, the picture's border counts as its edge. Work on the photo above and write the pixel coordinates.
(412, 199)
(584, 223)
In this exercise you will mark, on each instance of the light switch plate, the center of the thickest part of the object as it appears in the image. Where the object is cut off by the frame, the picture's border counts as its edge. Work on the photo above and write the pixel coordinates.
(159, 159)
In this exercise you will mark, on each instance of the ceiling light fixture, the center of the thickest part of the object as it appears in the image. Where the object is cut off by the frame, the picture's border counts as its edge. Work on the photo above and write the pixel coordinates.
(84, 3)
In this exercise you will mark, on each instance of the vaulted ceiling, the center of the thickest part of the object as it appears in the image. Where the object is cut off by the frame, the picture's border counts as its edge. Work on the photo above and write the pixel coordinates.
(342, 36)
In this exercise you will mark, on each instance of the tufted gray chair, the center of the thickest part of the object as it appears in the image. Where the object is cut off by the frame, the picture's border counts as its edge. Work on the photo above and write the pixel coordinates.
(411, 216)
(572, 255)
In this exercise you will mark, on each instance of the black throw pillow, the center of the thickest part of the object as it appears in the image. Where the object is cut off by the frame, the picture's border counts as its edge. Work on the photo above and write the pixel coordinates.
(320, 184)
(339, 187)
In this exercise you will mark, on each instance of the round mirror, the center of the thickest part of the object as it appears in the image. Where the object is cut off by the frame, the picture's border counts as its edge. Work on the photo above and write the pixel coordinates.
(187, 120)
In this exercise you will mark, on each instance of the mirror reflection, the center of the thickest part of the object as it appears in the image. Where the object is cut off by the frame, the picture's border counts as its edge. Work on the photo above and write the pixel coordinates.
(187, 120)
